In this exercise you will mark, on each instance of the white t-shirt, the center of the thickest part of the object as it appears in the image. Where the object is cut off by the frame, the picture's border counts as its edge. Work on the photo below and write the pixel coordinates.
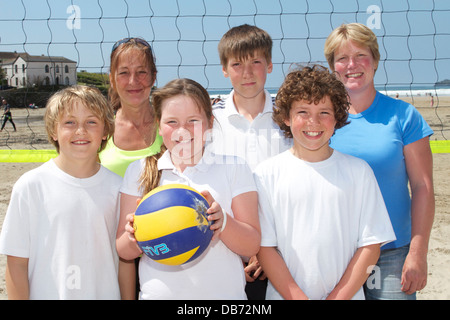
(318, 215)
(253, 141)
(216, 274)
(66, 227)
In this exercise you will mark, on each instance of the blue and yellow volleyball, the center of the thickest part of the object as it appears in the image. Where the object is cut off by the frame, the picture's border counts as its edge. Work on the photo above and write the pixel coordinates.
(171, 225)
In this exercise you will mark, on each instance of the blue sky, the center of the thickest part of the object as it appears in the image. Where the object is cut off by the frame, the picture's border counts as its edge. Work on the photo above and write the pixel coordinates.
(414, 45)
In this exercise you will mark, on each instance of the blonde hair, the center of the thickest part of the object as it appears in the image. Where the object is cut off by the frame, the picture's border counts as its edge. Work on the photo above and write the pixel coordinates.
(151, 176)
(356, 32)
(143, 51)
(242, 42)
(62, 102)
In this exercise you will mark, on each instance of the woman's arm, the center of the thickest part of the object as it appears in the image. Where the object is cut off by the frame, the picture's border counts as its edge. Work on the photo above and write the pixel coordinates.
(419, 165)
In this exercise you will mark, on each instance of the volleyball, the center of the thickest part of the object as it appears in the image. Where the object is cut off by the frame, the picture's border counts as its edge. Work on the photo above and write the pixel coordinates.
(171, 225)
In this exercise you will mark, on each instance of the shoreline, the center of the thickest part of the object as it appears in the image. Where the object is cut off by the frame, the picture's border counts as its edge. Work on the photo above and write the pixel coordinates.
(400, 93)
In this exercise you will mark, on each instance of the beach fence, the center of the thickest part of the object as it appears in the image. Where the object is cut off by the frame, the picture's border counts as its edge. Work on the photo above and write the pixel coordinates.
(47, 44)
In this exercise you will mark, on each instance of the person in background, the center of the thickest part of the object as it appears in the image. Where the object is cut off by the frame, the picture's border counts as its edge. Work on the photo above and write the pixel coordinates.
(7, 116)
(393, 138)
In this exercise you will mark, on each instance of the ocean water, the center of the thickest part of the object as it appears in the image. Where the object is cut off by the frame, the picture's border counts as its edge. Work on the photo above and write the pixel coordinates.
(415, 92)
(402, 91)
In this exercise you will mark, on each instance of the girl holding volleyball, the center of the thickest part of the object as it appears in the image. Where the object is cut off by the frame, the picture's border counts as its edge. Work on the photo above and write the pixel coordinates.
(184, 114)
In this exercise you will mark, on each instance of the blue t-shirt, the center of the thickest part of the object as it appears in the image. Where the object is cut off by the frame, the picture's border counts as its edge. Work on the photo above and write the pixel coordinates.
(378, 136)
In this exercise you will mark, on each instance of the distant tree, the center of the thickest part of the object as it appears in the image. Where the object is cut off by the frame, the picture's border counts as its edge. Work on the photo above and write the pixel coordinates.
(3, 80)
(99, 80)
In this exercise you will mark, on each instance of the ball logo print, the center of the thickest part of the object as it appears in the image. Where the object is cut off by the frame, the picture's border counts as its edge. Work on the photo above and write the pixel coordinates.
(156, 250)
(171, 225)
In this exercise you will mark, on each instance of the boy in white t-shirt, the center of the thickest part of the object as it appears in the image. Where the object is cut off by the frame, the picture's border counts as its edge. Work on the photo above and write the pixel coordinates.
(322, 215)
(60, 226)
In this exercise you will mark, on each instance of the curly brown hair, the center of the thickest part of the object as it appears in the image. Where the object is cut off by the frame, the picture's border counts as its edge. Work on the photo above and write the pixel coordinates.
(310, 84)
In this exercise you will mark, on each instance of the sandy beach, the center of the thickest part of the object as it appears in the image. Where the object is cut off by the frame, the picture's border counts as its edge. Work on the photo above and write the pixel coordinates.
(31, 135)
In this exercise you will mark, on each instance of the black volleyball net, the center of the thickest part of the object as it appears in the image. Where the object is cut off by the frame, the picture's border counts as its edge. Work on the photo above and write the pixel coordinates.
(47, 44)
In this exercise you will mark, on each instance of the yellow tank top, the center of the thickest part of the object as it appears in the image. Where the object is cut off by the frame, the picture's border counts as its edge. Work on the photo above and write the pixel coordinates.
(117, 160)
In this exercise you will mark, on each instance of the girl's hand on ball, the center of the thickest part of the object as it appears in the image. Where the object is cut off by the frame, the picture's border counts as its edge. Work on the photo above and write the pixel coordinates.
(129, 227)
(215, 214)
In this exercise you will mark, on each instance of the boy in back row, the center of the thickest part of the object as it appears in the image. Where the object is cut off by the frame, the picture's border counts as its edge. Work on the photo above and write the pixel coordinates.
(244, 126)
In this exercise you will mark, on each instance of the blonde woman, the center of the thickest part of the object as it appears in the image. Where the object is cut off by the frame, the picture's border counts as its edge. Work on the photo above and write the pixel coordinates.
(393, 138)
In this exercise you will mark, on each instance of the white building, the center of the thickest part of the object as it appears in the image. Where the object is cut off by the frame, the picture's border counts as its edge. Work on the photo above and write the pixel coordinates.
(24, 70)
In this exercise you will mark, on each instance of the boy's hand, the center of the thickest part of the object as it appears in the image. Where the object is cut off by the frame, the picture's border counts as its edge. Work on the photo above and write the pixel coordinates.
(253, 270)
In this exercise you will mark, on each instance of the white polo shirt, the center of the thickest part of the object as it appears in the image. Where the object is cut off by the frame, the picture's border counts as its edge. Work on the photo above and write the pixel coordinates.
(218, 272)
(253, 141)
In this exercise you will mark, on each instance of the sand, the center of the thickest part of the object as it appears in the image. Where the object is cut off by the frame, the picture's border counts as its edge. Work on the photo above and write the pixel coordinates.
(30, 130)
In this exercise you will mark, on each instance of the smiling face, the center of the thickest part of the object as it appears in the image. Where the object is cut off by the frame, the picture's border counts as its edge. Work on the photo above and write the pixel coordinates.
(133, 78)
(312, 126)
(79, 133)
(355, 67)
(183, 125)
